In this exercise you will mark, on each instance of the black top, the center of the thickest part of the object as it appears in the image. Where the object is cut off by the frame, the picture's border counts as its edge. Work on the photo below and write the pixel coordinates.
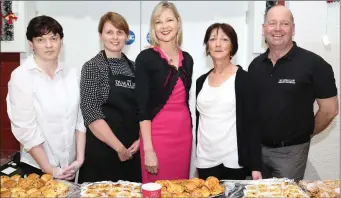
(155, 81)
(287, 92)
(248, 138)
(95, 87)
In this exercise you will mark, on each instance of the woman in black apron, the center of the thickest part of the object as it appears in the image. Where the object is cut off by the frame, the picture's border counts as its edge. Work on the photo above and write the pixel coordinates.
(107, 92)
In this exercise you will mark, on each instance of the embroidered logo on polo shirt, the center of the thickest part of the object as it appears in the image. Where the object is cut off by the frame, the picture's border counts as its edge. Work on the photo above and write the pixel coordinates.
(125, 84)
(286, 81)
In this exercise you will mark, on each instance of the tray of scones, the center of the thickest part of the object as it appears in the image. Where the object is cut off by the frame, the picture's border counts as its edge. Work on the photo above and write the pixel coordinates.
(263, 188)
(35, 186)
(110, 189)
(193, 187)
(324, 188)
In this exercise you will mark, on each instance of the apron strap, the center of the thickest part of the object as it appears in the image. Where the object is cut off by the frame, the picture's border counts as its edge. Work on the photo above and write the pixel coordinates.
(131, 66)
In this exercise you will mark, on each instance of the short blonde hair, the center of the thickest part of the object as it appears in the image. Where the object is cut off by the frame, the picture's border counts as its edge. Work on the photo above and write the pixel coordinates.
(159, 8)
(116, 20)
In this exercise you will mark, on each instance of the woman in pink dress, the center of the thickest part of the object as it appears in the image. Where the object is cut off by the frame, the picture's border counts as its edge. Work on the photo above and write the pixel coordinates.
(163, 81)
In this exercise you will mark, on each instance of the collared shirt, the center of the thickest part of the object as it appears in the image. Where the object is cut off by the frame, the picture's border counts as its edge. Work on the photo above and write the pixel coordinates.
(45, 110)
(287, 92)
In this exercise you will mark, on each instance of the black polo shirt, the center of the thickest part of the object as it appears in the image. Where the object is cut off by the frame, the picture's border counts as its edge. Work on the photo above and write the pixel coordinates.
(287, 91)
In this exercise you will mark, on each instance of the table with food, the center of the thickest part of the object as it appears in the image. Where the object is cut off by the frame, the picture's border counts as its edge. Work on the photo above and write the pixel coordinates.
(34, 185)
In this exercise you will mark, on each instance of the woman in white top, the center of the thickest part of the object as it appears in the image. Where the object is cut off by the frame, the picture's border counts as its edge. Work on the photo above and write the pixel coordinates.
(228, 145)
(43, 105)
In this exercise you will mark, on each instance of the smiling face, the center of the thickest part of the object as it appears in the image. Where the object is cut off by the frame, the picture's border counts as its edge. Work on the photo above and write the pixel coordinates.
(46, 47)
(113, 38)
(279, 28)
(166, 26)
(219, 44)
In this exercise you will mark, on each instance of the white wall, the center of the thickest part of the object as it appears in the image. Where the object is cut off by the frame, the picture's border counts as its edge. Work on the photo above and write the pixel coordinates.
(81, 42)
(313, 20)
(80, 21)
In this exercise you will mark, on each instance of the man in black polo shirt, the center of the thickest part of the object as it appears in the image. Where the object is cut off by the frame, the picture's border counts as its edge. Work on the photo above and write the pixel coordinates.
(289, 79)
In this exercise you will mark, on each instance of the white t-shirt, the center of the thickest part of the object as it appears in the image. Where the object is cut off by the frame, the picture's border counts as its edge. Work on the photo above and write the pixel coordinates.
(45, 110)
(217, 135)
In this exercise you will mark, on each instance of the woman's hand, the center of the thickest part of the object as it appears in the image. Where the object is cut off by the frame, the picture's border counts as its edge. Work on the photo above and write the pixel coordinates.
(123, 154)
(256, 175)
(70, 171)
(151, 162)
(134, 147)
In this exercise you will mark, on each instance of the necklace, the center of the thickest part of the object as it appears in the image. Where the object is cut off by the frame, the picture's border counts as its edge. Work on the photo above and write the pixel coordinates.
(169, 58)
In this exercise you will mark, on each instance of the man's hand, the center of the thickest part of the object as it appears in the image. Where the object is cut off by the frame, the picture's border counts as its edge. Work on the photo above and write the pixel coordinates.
(256, 175)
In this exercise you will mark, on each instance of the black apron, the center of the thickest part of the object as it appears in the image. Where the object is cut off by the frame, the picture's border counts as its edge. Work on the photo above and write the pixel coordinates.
(101, 162)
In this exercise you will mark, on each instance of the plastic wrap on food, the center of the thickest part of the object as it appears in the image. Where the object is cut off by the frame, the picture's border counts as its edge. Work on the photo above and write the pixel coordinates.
(110, 189)
(263, 188)
(324, 188)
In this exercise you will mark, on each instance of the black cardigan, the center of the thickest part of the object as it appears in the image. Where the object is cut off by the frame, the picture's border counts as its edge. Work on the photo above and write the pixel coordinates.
(155, 81)
(248, 135)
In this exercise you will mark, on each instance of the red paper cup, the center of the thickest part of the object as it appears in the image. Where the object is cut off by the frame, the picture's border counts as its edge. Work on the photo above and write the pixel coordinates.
(151, 190)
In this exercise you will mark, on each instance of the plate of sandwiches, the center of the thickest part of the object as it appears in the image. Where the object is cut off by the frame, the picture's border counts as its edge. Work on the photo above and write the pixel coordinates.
(193, 187)
(34, 186)
(111, 189)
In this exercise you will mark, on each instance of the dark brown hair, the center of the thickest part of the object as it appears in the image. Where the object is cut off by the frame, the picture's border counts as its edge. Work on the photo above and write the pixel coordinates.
(116, 20)
(42, 25)
(228, 30)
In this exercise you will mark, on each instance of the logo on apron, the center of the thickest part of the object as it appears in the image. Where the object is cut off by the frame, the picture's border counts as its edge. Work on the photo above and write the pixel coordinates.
(125, 84)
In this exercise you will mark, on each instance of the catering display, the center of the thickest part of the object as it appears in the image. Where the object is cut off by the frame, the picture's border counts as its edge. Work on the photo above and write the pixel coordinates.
(34, 186)
(193, 187)
(111, 189)
(324, 188)
(45, 186)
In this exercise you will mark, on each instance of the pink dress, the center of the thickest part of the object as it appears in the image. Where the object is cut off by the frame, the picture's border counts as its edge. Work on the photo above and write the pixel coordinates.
(171, 136)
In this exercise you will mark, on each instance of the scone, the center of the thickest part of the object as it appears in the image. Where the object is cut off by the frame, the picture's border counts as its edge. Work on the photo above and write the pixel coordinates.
(216, 190)
(198, 182)
(36, 194)
(190, 186)
(19, 194)
(25, 183)
(61, 188)
(38, 183)
(33, 190)
(16, 177)
(205, 191)
(33, 176)
(3, 179)
(6, 194)
(9, 184)
(46, 177)
(211, 182)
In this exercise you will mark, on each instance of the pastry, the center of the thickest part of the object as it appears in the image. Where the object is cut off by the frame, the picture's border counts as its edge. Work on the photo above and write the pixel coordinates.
(16, 177)
(4, 178)
(6, 194)
(25, 183)
(211, 182)
(33, 176)
(198, 182)
(9, 184)
(217, 189)
(36, 194)
(46, 177)
(33, 190)
(19, 194)
(190, 186)
(61, 188)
